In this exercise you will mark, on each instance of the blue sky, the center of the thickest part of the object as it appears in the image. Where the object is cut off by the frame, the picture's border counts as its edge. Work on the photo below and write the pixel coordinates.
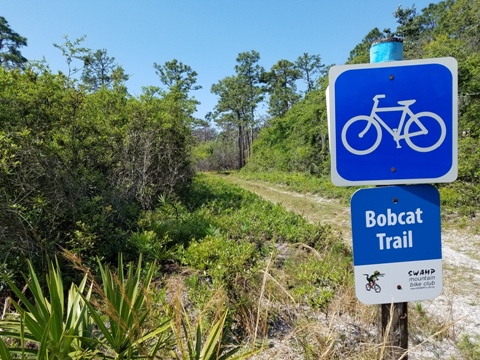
(206, 35)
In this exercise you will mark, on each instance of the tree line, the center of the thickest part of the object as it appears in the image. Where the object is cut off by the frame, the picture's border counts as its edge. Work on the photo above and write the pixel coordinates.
(298, 141)
(239, 96)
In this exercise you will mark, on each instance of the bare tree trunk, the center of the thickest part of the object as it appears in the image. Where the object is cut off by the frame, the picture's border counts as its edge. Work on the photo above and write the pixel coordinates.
(240, 147)
(250, 141)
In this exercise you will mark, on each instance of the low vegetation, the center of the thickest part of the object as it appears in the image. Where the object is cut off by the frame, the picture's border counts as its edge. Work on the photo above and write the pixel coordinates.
(244, 273)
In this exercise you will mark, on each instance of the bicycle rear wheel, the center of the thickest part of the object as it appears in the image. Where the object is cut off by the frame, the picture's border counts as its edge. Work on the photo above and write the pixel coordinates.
(361, 135)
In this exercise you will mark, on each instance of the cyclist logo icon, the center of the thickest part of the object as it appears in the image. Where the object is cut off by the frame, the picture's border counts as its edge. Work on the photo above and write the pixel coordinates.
(372, 281)
(412, 128)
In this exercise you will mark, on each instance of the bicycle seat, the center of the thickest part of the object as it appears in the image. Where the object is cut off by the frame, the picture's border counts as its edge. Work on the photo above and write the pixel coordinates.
(406, 102)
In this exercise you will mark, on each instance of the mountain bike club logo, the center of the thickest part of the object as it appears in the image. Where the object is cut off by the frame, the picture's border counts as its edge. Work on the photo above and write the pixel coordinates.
(417, 279)
(372, 281)
(393, 123)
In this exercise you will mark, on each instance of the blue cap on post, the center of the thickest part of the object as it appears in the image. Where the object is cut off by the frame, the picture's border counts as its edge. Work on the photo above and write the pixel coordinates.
(388, 49)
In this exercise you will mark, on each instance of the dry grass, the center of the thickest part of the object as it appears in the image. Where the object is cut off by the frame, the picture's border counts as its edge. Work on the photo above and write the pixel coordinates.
(348, 329)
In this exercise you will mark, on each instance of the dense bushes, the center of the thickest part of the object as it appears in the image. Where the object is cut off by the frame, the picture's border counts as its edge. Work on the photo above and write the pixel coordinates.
(219, 154)
(223, 233)
(296, 142)
(77, 168)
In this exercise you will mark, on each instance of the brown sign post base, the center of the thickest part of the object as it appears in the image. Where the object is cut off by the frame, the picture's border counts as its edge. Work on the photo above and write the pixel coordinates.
(393, 332)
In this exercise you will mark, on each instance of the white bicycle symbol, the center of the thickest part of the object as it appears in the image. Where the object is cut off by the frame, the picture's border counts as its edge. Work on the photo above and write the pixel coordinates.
(375, 121)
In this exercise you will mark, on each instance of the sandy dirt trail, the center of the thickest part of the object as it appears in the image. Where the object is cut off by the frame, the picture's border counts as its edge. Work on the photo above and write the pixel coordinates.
(459, 304)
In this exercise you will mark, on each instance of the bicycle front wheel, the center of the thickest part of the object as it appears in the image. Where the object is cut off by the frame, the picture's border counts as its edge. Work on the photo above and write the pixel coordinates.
(361, 135)
(425, 131)
(377, 288)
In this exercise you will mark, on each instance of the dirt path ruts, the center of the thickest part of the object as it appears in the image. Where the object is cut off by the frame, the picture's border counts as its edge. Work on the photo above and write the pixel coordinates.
(459, 303)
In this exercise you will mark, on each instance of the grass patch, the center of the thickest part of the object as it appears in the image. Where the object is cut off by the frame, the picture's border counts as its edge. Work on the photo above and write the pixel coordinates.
(303, 183)
(314, 208)
(458, 200)
(470, 348)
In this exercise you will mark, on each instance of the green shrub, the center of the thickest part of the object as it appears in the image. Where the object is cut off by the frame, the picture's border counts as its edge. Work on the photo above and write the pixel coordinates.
(461, 198)
(106, 320)
(296, 142)
(247, 231)
(220, 258)
(77, 167)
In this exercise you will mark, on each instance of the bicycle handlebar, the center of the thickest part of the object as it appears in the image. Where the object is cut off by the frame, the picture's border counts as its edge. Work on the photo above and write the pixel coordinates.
(379, 96)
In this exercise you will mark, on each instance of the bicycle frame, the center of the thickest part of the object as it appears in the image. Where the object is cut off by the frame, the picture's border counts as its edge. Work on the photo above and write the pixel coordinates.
(395, 132)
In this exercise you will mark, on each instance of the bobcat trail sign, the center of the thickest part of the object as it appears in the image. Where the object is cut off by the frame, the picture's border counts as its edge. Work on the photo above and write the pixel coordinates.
(393, 122)
(397, 248)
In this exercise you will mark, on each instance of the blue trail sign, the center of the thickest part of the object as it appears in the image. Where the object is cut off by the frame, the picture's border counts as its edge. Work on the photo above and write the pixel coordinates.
(397, 249)
(393, 123)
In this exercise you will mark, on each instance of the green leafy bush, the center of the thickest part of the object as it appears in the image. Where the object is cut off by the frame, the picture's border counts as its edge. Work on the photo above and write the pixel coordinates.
(77, 168)
(295, 142)
(220, 258)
